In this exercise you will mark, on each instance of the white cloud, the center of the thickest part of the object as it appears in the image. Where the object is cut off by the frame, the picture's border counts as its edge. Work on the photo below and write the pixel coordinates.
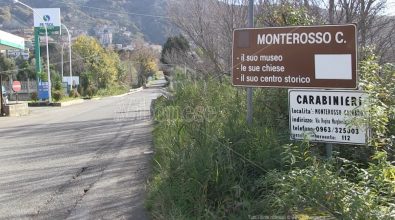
(390, 7)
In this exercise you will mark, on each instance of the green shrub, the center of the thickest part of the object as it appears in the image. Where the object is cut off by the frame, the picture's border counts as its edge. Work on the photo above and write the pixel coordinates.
(90, 91)
(74, 94)
(338, 188)
(113, 90)
(379, 83)
(57, 95)
(34, 96)
(207, 158)
(209, 164)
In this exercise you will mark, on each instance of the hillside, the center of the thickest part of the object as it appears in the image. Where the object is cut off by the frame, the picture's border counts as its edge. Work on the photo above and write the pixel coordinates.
(139, 17)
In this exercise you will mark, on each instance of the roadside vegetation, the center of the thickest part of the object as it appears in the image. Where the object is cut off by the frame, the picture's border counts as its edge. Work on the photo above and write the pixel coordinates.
(101, 71)
(209, 164)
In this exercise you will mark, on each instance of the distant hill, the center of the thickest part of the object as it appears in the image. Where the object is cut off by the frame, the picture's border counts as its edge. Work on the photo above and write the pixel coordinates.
(146, 18)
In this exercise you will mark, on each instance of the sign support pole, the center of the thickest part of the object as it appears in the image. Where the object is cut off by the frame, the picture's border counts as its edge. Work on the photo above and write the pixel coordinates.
(329, 150)
(37, 56)
(249, 89)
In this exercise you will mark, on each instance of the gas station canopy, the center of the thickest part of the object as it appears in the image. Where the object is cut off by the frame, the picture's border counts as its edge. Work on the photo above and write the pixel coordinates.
(9, 41)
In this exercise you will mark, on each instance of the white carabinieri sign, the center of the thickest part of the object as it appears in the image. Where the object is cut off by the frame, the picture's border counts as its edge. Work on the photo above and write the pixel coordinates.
(322, 115)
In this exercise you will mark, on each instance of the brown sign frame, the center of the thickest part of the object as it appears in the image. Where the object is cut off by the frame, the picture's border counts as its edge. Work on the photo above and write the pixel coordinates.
(323, 56)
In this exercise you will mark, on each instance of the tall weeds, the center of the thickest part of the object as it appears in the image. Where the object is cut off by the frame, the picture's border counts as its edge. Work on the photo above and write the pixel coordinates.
(209, 164)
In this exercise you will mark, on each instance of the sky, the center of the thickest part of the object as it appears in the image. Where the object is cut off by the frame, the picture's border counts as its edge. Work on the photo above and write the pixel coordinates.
(391, 7)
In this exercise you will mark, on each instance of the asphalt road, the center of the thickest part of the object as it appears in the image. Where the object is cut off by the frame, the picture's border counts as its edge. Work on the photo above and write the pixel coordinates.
(86, 161)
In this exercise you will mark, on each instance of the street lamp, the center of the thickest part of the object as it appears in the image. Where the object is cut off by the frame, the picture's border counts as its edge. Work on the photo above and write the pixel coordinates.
(46, 39)
(71, 69)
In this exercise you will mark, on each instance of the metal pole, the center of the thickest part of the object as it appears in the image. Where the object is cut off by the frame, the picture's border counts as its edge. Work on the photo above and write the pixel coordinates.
(329, 150)
(61, 60)
(71, 69)
(37, 55)
(48, 72)
(249, 89)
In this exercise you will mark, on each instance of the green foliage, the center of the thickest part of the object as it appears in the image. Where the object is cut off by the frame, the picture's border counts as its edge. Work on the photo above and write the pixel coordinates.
(209, 164)
(177, 44)
(380, 178)
(43, 76)
(57, 95)
(6, 63)
(207, 158)
(103, 65)
(328, 189)
(58, 85)
(86, 79)
(113, 90)
(147, 65)
(26, 71)
(90, 91)
(379, 82)
(34, 96)
(74, 94)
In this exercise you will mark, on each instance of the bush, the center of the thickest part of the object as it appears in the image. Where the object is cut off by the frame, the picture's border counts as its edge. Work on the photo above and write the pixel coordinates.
(328, 189)
(113, 90)
(90, 91)
(57, 95)
(34, 96)
(207, 158)
(74, 94)
(209, 164)
(379, 83)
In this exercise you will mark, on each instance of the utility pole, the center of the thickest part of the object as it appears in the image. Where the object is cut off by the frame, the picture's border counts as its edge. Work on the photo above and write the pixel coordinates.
(70, 65)
(249, 89)
(61, 60)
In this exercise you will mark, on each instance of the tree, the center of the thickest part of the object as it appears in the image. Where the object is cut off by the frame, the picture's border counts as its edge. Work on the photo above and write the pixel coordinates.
(378, 81)
(374, 29)
(146, 61)
(7, 66)
(104, 65)
(26, 71)
(208, 25)
(178, 44)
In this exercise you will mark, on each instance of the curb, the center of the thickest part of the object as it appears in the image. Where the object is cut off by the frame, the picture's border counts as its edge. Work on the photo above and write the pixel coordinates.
(55, 104)
(73, 102)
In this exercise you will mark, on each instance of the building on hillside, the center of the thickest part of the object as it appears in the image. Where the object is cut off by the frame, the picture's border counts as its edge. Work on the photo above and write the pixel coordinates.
(156, 48)
(106, 38)
(118, 46)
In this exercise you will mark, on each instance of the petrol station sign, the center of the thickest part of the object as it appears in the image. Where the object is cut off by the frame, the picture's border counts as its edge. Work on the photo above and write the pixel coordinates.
(49, 18)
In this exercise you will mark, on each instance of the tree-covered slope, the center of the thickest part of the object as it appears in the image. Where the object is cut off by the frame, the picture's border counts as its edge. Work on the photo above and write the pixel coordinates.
(145, 18)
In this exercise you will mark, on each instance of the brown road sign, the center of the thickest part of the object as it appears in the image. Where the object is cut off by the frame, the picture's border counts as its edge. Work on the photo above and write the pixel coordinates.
(296, 57)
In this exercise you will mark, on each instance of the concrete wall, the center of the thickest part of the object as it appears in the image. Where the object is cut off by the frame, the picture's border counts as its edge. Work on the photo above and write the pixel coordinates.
(16, 110)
